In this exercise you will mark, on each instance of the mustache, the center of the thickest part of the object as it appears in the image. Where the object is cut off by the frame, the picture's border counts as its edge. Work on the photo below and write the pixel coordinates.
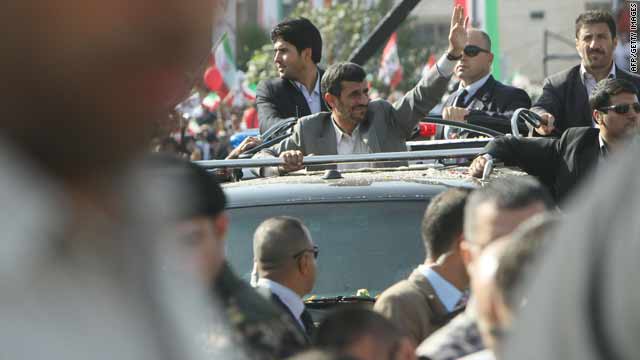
(599, 51)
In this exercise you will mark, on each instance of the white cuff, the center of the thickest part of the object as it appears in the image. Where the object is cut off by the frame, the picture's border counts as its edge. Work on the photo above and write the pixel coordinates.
(445, 66)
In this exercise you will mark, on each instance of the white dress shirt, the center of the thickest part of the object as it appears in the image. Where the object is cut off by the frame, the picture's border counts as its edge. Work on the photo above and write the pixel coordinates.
(313, 98)
(590, 82)
(351, 144)
(448, 294)
(286, 295)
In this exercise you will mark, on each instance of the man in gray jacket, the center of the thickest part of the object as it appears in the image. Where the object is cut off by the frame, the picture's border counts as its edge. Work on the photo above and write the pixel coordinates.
(357, 125)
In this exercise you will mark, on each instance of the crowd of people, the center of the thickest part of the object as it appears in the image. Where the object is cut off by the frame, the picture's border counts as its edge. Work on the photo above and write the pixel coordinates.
(109, 252)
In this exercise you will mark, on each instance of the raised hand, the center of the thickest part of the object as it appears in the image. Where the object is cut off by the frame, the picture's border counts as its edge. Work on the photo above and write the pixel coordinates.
(458, 31)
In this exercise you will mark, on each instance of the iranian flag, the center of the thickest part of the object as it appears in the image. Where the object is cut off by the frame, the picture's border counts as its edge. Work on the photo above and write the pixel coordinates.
(249, 91)
(390, 68)
(225, 62)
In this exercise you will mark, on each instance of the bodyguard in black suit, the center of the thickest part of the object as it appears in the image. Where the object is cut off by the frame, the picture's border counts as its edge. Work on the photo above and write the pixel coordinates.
(565, 95)
(297, 51)
(285, 255)
(479, 93)
(561, 164)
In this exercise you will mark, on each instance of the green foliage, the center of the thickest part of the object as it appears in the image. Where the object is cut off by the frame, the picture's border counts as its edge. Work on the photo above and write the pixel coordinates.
(344, 27)
(250, 38)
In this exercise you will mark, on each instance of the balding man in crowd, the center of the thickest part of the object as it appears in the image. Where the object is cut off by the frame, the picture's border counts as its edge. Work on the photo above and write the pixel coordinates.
(285, 258)
(498, 277)
(491, 212)
(365, 335)
(434, 292)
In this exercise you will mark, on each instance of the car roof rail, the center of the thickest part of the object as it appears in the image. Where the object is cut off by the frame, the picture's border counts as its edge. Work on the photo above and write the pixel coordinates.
(317, 160)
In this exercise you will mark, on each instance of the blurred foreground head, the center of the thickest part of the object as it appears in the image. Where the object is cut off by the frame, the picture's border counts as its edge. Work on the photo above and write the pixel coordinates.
(83, 80)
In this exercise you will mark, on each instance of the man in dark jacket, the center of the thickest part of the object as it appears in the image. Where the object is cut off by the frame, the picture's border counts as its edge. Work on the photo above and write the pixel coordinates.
(479, 93)
(564, 101)
(562, 163)
(297, 46)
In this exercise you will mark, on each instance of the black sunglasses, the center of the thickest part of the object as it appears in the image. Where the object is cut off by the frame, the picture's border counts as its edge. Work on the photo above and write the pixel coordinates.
(622, 108)
(472, 50)
(315, 252)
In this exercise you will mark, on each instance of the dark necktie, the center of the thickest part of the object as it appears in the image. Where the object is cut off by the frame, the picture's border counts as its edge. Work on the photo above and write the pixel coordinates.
(460, 100)
(307, 321)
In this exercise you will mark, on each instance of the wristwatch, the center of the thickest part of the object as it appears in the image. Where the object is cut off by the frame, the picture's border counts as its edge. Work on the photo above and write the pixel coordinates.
(453, 58)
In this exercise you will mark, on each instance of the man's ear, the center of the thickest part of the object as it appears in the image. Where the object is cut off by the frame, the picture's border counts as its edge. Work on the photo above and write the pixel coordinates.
(307, 54)
(329, 99)
(597, 116)
(221, 225)
(465, 252)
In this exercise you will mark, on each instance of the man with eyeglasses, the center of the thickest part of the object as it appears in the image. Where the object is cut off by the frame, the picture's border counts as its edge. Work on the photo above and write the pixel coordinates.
(562, 163)
(479, 93)
(285, 258)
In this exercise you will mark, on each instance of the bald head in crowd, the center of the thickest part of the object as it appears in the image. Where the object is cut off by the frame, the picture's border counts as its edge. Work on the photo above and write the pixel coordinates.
(284, 252)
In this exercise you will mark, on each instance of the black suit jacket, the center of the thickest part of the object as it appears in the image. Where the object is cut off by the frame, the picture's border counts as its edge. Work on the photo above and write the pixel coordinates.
(278, 99)
(493, 104)
(561, 164)
(276, 300)
(565, 97)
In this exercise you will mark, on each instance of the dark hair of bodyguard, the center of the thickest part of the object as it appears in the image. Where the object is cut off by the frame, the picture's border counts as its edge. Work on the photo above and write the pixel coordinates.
(300, 33)
(596, 17)
(204, 196)
(339, 72)
(606, 88)
(345, 327)
(443, 221)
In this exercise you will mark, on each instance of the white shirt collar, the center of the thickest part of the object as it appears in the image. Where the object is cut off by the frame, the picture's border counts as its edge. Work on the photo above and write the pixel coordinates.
(355, 134)
(584, 75)
(474, 87)
(316, 89)
(286, 295)
(448, 294)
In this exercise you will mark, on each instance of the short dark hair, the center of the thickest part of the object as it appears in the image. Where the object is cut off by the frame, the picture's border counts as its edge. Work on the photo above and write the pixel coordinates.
(523, 248)
(443, 221)
(606, 88)
(596, 17)
(345, 327)
(204, 196)
(508, 193)
(339, 72)
(300, 33)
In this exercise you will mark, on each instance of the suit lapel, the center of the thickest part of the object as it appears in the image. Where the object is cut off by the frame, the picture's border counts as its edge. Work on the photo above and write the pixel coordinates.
(295, 321)
(581, 102)
(482, 97)
(369, 135)
(588, 157)
(299, 100)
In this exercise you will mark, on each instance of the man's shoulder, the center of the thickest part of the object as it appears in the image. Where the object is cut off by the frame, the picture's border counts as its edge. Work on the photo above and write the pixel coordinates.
(273, 84)
(561, 77)
(623, 74)
(314, 120)
(415, 286)
(505, 88)
(580, 131)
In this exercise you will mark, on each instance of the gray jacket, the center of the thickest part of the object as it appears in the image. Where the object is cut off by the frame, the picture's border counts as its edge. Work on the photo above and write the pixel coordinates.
(386, 128)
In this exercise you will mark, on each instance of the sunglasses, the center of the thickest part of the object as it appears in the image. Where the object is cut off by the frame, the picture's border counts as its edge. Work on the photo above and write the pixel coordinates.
(472, 50)
(622, 108)
(315, 252)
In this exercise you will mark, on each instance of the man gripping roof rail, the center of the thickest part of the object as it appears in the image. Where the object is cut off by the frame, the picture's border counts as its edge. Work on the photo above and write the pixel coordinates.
(356, 125)
(561, 164)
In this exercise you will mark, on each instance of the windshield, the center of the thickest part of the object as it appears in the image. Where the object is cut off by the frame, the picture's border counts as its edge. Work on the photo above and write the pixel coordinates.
(363, 245)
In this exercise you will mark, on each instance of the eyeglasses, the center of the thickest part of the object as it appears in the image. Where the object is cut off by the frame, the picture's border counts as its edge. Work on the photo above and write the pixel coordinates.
(622, 108)
(473, 50)
(315, 252)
